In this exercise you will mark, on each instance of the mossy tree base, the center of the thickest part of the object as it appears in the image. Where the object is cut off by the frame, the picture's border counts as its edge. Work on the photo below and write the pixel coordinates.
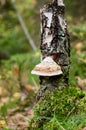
(58, 106)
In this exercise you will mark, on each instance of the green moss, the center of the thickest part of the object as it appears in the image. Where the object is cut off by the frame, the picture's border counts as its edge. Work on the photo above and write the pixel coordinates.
(76, 122)
(59, 105)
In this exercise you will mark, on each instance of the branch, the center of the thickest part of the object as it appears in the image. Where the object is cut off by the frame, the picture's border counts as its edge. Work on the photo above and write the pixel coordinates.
(24, 27)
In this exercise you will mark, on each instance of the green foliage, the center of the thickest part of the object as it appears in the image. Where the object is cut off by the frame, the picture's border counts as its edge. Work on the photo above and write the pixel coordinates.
(77, 69)
(78, 31)
(12, 41)
(24, 63)
(5, 107)
(5, 128)
(12, 37)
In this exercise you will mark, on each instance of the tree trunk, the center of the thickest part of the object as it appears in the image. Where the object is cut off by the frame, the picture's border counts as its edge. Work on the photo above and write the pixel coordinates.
(54, 42)
(52, 98)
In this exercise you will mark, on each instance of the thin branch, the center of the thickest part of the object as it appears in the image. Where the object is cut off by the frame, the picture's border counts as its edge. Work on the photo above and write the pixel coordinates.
(24, 27)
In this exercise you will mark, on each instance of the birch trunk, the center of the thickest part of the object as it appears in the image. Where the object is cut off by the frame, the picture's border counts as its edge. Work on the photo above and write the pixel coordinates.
(54, 42)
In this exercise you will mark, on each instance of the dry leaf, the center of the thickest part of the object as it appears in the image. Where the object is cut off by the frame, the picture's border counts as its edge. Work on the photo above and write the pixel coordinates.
(18, 121)
(3, 91)
(15, 69)
(29, 112)
(79, 46)
(81, 83)
(30, 87)
(2, 123)
(16, 95)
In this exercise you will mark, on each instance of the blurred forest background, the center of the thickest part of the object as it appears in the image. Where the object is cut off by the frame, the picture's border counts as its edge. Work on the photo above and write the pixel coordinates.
(18, 87)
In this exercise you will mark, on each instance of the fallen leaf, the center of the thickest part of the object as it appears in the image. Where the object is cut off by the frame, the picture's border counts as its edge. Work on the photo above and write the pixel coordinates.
(15, 69)
(18, 121)
(3, 91)
(30, 87)
(81, 83)
(3, 100)
(79, 46)
(2, 123)
(29, 112)
(16, 95)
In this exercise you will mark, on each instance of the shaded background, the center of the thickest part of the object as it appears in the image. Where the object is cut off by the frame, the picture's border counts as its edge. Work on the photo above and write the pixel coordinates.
(12, 38)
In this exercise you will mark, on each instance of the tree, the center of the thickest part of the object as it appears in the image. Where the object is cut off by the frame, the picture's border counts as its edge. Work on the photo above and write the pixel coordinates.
(54, 43)
(55, 48)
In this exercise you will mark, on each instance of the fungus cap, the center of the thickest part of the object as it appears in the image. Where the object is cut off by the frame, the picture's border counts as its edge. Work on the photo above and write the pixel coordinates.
(47, 67)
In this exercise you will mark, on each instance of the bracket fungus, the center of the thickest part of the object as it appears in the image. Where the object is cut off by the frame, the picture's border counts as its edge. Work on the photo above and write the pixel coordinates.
(47, 67)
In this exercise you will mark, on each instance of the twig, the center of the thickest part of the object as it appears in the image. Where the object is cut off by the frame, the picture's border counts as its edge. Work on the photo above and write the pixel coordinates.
(24, 27)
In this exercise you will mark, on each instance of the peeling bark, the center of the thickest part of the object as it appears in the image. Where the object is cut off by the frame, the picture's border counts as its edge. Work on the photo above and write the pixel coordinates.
(55, 42)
